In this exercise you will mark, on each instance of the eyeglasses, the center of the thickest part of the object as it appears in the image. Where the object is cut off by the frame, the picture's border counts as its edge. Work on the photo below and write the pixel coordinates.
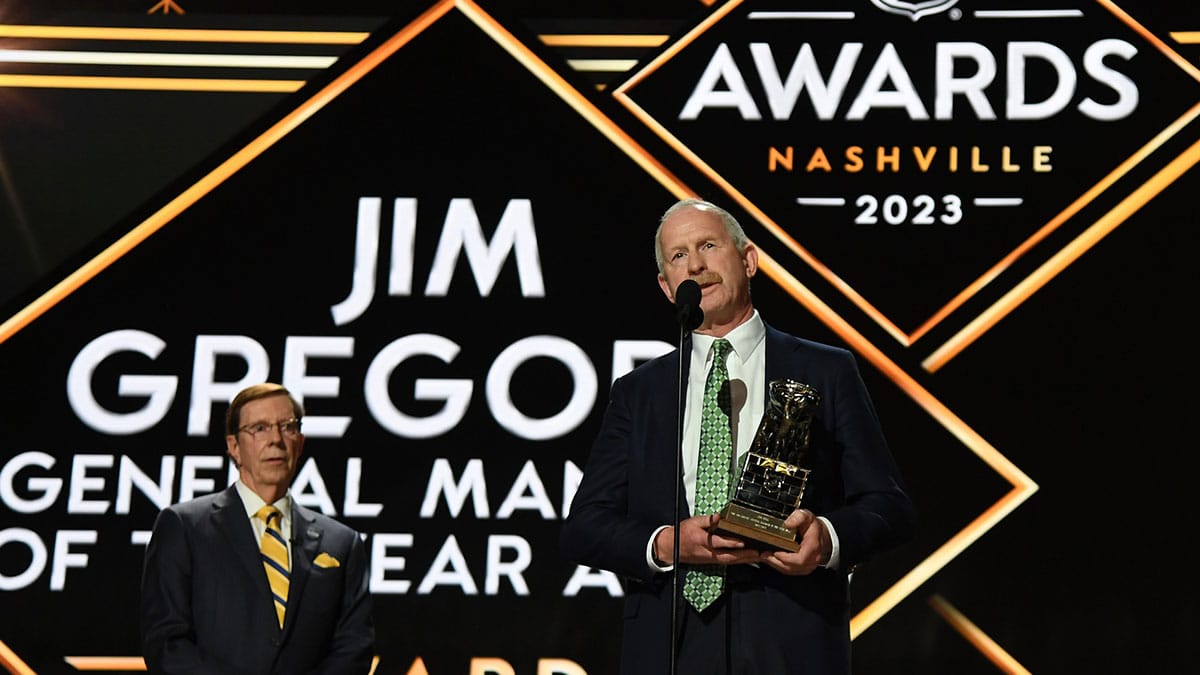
(289, 428)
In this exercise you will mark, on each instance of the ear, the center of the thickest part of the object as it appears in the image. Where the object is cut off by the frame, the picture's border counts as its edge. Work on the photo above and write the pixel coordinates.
(232, 449)
(666, 288)
(750, 260)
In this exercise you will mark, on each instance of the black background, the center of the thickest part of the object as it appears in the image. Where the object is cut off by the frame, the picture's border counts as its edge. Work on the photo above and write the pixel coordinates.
(1085, 386)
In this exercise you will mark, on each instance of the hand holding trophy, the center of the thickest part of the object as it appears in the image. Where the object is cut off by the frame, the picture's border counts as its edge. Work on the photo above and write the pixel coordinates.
(772, 483)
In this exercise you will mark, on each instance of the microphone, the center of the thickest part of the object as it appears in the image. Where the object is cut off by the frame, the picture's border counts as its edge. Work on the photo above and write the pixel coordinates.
(687, 305)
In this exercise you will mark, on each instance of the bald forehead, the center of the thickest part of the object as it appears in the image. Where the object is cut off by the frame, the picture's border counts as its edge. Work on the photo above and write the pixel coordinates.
(692, 216)
(692, 212)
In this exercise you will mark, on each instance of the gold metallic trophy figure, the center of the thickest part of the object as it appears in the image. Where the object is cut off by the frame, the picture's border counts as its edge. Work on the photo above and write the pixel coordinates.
(772, 483)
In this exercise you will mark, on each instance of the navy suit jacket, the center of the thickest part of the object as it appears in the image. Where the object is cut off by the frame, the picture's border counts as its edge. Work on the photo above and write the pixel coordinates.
(628, 489)
(207, 608)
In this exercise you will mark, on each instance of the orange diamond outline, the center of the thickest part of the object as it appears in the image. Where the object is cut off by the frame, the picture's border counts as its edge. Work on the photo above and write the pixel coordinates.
(977, 327)
(1022, 486)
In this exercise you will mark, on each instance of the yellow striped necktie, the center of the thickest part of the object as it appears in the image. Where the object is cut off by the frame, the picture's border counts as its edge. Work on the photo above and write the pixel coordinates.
(275, 558)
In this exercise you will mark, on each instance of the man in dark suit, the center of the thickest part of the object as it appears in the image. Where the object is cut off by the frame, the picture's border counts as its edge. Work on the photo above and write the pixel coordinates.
(218, 598)
(775, 612)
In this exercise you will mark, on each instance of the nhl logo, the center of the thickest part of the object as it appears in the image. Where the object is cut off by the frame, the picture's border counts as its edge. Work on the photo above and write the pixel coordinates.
(915, 10)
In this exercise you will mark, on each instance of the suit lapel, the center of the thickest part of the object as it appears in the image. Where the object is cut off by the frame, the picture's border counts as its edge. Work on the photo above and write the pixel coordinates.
(771, 362)
(229, 518)
(668, 406)
(778, 363)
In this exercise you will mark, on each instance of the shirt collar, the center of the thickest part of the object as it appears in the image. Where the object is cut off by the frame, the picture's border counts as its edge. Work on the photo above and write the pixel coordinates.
(745, 339)
(253, 502)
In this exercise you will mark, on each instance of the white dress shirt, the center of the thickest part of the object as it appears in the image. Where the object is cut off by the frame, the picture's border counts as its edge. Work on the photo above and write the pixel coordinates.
(253, 503)
(747, 366)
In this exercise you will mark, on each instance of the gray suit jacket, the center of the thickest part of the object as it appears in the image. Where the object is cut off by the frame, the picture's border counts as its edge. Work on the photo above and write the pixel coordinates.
(207, 608)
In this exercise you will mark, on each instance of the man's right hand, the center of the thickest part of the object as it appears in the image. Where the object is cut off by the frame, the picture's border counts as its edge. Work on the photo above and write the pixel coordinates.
(698, 545)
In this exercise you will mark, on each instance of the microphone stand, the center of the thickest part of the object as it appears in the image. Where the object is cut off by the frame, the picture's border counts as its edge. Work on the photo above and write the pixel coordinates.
(690, 317)
(675, 591)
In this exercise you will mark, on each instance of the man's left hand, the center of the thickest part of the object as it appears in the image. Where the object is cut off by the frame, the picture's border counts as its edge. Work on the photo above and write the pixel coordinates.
(815, 545)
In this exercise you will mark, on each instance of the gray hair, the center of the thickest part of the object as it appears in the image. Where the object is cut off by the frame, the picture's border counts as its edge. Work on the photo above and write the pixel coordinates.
(731, 226)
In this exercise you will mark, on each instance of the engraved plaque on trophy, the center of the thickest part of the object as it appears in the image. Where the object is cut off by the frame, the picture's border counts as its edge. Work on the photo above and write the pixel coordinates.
(772, 482)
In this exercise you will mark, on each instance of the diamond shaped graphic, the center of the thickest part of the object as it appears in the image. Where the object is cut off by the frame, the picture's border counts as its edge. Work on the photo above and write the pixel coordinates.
(1021, 486)
(911, 164)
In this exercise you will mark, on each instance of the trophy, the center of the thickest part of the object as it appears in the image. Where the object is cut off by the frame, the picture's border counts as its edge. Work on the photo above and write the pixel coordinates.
(772, 483)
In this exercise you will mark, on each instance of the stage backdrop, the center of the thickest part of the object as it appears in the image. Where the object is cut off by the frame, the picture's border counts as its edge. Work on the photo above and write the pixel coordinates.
(433, 222)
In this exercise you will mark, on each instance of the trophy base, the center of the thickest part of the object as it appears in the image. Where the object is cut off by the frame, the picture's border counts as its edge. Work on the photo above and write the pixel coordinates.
(756, 528)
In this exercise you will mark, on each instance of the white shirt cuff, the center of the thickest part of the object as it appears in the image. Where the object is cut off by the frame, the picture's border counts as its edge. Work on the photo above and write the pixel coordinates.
(655, 567)
(835, 551)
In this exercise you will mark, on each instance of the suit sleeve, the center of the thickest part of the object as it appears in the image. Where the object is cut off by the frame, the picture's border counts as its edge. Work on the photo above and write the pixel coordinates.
(168, 643)
(353, 645)
(877, 513)
(601, 530)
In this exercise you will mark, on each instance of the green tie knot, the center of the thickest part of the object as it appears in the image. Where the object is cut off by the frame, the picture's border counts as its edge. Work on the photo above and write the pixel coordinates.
(721, 348)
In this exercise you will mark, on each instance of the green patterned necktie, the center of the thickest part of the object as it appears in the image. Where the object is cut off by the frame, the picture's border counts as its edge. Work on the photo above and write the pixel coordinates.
(704, 582)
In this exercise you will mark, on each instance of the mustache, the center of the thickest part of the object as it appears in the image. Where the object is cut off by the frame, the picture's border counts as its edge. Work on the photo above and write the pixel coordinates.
(706, 278)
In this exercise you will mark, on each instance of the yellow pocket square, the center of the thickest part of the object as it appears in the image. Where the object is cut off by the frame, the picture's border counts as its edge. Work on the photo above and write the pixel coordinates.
(326, 560)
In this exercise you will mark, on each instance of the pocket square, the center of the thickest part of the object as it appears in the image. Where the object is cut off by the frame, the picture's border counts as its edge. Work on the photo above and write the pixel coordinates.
(326, 560)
